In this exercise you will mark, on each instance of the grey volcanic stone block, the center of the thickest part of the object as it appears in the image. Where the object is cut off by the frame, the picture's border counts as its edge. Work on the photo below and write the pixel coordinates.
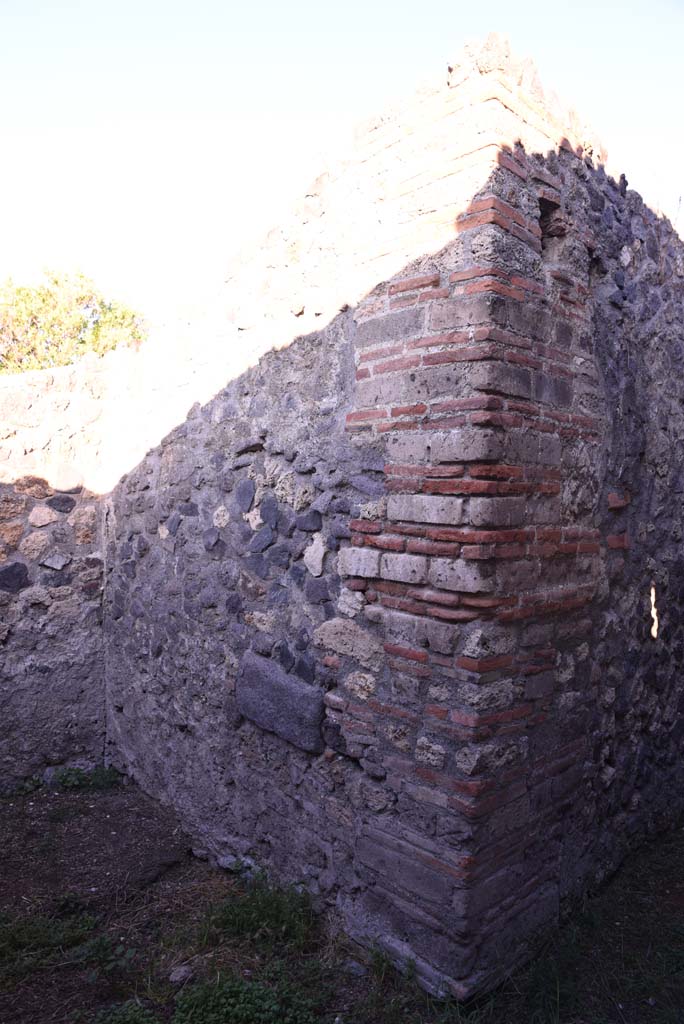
(14, 578)
(405, 324)
(280, 703)
(62, 503)
(244, 495)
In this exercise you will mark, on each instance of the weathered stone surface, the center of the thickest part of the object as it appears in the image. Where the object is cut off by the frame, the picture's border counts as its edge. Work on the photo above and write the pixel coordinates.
(262, 539)
(243, 495)
(404, 568)
(280, 703)
(314, 555)
(51, 631)
(62, 502)
(55, 561)
(347, 638)
(41, 515)
(34, 544)
(361, 685)
(404, 324)
(84, 523)
(417, 631)
(499, 512)
(419, 508)
(14, 577)
(358, 562)
(430, 753)
(350, 603)
(391, 858)
(502, 378)
(11, 506)
(11, 533)
(34, 486)
(458, 575)
(309, 521)
(466, 444)
(221, 517)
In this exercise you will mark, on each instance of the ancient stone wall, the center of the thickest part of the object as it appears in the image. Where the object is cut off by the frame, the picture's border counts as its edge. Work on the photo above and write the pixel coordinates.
(51, 649)
(553, 430)
(66, 437)
(378, 615)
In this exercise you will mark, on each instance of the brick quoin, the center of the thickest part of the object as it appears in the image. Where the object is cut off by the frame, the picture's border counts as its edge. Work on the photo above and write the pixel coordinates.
(490, 403)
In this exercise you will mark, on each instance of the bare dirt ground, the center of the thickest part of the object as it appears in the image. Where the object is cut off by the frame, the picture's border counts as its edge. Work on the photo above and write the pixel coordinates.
(103, 905)
(101, 855)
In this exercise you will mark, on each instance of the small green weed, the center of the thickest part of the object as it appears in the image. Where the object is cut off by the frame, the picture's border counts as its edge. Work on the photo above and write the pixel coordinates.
(27, 942)
(129, 1012)
(103, 956)
(240, 1002)
(28, 786)
(381, 966)
(10, 791)
(77, 778)
(302, 979)
(274, 918)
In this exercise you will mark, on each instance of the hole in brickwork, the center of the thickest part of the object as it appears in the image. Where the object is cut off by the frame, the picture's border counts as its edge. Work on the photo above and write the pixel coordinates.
(654, 613)
(553, 225)
(597, 268)
(546, 210)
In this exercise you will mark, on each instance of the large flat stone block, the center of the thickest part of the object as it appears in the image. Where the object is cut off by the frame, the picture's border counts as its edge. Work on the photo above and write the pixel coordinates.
(280, 703)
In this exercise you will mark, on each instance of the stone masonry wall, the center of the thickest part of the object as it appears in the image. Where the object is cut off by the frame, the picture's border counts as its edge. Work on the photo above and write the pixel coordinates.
(66, 437)
(51, 648)
(555, 731)
(378, 616)
(51, 672)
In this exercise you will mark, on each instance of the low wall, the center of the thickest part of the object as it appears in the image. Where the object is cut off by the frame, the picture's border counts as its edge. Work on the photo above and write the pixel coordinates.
(66, 438)
(51, 650)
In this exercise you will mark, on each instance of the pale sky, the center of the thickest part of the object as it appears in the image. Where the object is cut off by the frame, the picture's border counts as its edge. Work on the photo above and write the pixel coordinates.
(143, 141)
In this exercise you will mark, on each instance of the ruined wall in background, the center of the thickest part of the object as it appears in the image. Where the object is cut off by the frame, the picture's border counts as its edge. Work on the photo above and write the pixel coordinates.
(66, 437)
(51, 649)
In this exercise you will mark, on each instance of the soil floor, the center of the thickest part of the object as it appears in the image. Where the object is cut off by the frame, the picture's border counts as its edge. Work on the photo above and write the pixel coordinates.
(102, 902)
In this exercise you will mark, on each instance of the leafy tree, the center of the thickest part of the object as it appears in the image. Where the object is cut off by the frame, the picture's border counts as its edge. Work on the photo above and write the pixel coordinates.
(60, 320)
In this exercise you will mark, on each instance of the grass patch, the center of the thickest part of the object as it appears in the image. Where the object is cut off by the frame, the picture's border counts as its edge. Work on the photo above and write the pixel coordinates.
(276, 919)
(130, 1012)
(241, 1002)
(99, 778)
(255, 953)
(37, 941)
(103, 956)
(78, 778)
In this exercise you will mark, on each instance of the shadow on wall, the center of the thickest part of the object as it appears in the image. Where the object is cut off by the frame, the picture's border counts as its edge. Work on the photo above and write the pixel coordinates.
(378, 614)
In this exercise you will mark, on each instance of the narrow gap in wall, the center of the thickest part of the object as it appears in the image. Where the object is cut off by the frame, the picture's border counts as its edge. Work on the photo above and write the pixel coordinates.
(552, 224)
(654, 615)
(597, 267)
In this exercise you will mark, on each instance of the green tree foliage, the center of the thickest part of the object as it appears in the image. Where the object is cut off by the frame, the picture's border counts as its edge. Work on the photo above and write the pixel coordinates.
(60, 320)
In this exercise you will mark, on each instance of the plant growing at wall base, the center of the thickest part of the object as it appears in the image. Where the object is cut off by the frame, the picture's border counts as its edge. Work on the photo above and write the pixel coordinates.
(240, 1002)
(77, 778)
(281, 918)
